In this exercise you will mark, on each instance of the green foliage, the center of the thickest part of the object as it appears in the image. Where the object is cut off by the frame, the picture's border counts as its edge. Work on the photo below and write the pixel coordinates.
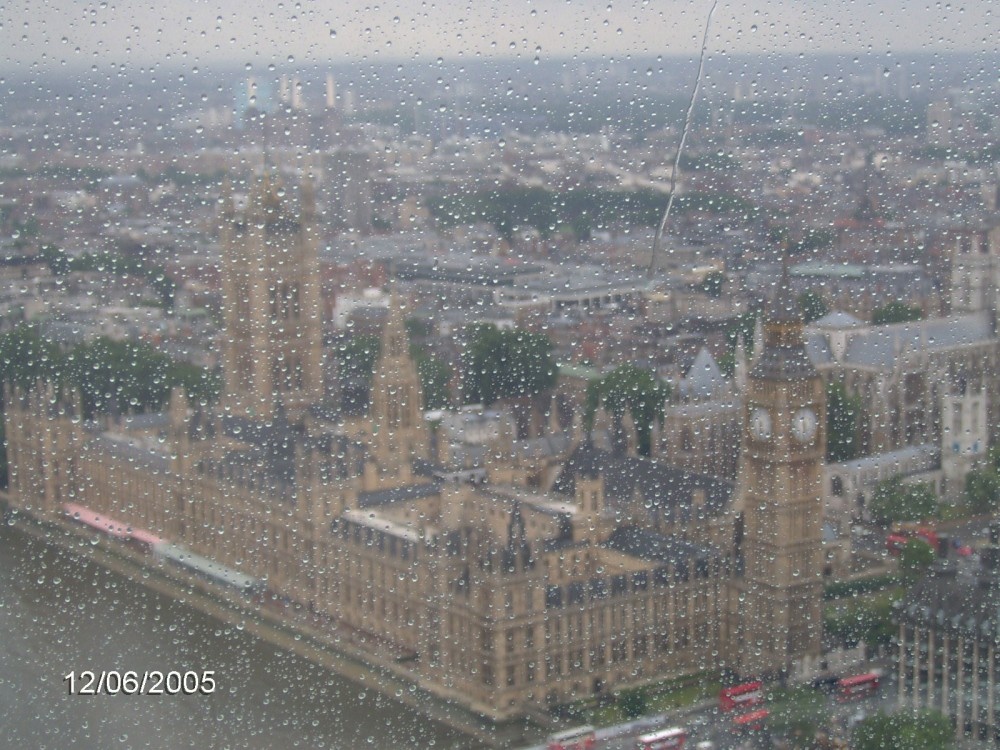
(839, 589)
(812, 240)
(435, 376)
(927, 730)
(851, 113)
(113, 264)
(914, 559)
(125, 375)
(506, 364)
(712, 284)
(582, 210)
(717, 162)
(866, 620)
(107, 373)
(993, 458)
(356, 358)
(633, 390)
(57, 261)
(633, 703)
(895, 312)
(894, 501)
(843, 422)
(982, 491)
(982, 486)
(743, 325)
(798, 713)
(201, 386)
(418, 328)
(812, 306)
(26, 357)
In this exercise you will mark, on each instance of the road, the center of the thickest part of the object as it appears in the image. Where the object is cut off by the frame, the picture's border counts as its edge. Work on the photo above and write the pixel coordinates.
(706, 723)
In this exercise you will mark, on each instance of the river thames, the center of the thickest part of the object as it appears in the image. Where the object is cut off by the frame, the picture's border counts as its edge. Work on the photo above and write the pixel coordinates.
(61, 613)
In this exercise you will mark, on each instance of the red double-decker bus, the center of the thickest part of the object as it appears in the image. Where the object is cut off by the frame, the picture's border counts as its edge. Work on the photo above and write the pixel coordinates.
(739, 697)
(859, 686)
(580, 738)
(665, 739)
(755, 721)
(105, 524)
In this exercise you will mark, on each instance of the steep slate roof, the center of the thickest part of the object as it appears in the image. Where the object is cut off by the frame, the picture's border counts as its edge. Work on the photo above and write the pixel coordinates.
(272, 448)
(397, 494)
(542, 447)
(703, 379)
(666, 492)
(649, 545)
(881, 346)
(818, 349)
(837, 320)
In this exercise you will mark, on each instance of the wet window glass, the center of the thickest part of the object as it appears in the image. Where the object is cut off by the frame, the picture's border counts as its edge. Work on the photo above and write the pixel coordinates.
(559, 374)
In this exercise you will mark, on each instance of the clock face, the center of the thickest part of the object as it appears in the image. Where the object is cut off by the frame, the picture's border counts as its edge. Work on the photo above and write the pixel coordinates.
(804, 425)
(760, 424)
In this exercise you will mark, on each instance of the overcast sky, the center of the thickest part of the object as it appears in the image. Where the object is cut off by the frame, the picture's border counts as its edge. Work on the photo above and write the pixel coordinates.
(50, 33)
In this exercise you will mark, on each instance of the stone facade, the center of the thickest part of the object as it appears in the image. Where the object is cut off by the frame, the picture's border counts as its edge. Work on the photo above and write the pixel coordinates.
(570, 571)
(948, 641)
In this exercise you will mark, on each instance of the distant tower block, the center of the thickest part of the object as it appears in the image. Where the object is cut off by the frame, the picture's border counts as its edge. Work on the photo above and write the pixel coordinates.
(296, 93)
(331, 92)
(270, 282)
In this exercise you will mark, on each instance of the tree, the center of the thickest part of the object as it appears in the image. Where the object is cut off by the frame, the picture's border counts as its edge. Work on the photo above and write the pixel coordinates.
(26, 357)
(712, 284)
(867, 620)
(798, 713)
(506, 364)
(895, 312)
(356, 357)
(435, 376)
(200, 385)
(56, 259)
(982, 490)
(914, 559)
(123, 375)
(164, 286)
(894, 501)
(927, 730)
(628, 389)
(843, 420)
(106, 373)
(812, 306)
(633, 702)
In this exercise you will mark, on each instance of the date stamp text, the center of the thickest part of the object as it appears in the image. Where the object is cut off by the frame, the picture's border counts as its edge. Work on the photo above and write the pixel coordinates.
(115, 682)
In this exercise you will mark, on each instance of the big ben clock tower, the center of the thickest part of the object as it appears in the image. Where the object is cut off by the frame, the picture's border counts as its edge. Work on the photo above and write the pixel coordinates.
(775, 624)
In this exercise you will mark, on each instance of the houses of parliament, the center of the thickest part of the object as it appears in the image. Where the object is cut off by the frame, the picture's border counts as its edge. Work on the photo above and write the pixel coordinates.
(561, 574)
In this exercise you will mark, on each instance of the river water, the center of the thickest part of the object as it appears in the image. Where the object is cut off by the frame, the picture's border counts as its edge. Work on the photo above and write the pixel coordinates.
(59, 613)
